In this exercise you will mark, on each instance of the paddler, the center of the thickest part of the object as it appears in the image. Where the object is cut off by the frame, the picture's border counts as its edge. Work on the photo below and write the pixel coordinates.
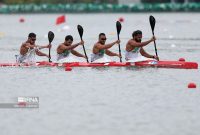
(100, 48)
(29, 49)
(134, 48)
(64, 49)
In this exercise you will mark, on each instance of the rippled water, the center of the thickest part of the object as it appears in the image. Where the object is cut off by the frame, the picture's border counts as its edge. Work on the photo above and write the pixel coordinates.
(103, 101)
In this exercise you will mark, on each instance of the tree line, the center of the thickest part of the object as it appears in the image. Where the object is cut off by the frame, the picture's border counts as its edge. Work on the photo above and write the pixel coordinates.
(86, 1)
(55, 1)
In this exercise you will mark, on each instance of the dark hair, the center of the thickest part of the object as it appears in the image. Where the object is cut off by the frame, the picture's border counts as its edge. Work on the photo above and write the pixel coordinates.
(68, 37)
(137, 32)
(31, 35)
(102, 34)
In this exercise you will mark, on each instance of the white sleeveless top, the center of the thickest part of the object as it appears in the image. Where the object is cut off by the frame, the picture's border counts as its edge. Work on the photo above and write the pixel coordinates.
(29, 57)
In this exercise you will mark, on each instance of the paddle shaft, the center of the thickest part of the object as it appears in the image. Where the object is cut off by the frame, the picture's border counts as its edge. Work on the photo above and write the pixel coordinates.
(84, 51)
(155, 44)
(119, 48)
(49, 53)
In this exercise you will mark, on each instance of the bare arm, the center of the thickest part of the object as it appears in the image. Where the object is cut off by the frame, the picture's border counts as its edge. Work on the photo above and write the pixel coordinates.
(71, 47)
(77, 54)
(43, 46)
(100, 46)
(136, 44)
(145, 54)
(41, 53)
(27, 45)
(110, 53)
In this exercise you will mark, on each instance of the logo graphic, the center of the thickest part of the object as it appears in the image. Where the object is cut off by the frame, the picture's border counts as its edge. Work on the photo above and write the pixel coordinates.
(28, 102)
(22, 102)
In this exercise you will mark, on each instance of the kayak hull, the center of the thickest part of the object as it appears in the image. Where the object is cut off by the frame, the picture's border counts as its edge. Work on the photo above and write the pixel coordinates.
(149, 63)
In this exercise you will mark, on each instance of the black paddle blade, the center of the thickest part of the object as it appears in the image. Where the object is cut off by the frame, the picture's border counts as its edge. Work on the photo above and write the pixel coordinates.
(118, 26)
(50, 36)
(152, 21)
(80, 30)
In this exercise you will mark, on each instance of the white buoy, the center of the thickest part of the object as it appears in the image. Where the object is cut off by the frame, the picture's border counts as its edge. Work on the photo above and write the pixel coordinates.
(173, 45)
(171, 36)
(66, 27)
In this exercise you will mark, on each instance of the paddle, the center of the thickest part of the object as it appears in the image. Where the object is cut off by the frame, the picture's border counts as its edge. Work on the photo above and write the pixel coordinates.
(50, 37)
(119, 26)
(80, 31)
(152, 21)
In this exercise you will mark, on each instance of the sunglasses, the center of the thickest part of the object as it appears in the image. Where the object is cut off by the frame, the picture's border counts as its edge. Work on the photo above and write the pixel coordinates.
(103, 38)
(33, 39)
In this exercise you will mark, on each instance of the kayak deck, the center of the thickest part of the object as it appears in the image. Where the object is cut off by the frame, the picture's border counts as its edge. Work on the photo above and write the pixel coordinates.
(149, 63)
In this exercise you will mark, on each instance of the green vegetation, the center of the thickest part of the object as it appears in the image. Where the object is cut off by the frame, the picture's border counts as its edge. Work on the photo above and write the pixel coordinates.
(92, 6)
(55, 1)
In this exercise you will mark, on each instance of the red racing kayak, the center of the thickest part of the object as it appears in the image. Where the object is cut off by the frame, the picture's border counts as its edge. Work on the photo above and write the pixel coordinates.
(149, 63)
